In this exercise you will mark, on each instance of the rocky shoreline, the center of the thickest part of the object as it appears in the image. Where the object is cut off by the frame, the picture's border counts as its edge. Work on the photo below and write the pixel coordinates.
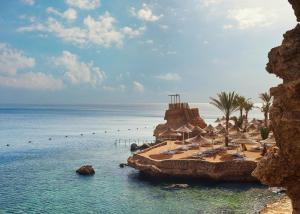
(281, 206)
(235, 170)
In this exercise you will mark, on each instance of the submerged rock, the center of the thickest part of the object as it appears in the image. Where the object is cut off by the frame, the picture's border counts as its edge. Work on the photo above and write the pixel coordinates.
(86, 170)
(144, 146)
(177, 186)
(134, 147)
(122, 165)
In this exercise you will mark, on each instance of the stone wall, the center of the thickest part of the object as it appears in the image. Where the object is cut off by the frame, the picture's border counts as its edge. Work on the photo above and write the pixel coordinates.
(189, 168)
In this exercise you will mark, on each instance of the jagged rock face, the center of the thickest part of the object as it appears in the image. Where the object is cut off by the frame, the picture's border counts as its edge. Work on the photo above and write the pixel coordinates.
(281, 166)
(296, 7)
(178, 117)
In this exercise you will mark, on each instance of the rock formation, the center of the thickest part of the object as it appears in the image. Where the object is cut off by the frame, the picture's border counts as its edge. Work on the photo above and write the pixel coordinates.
(180, 114)
(194, 169)
(86, 170)
(281, 165)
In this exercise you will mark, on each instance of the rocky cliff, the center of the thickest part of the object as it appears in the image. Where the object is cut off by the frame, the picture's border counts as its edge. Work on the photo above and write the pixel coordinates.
(281, 166)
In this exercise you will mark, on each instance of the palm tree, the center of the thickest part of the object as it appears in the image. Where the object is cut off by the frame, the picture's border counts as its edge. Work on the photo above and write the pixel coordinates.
(241, 100)
(267, 103)
(248, 107)
(227, 103)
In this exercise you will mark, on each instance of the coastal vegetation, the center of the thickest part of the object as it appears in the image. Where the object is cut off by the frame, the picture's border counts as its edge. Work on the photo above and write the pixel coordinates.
(267, 103)
(227, 103)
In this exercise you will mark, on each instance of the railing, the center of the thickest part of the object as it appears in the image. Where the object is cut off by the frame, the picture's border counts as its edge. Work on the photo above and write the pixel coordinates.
(178, 106)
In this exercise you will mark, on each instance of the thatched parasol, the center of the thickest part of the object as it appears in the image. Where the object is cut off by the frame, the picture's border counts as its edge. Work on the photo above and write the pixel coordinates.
(169, 133)
(268, 142)
(219, 126)
(252, 127)
(184, 129)
(198, 130)
(198, 139)
(243, 140)
(210, 128)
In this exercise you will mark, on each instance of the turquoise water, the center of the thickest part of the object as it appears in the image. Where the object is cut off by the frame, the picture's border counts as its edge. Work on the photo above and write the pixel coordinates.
(39, 177)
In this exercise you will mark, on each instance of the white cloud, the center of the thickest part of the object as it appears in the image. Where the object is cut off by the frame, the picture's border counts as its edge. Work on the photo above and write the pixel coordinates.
(69, 14)
(169, 77)
(145, 14)
(120, 88)
(133, 33)
(251, 17)
(164, 27)
(84, 4)
(249, 14)
(12, 60)
(28, 2)
(33, 81)
(77, 72)
(207, 3)
(101, 31)
(138, 87)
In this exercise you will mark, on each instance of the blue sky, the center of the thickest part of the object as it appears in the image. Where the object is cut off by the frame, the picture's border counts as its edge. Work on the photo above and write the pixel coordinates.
(113, 51)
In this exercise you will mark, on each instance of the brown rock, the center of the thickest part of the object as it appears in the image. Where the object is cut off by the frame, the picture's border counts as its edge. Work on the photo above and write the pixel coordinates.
(188, 168)
(178, 115)
(280, 167)
(86, 170)
(296, 7)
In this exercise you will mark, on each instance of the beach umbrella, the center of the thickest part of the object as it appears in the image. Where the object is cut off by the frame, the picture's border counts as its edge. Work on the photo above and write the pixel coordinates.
(198, 130)
(210, 128)
(243, 140)
(222, 131)
(190, 126)
(234, 129)
(252, 127)
(268, 142)
(198, 139)
(169, 133)
(219, 126)
(184, 129)
(218, 120)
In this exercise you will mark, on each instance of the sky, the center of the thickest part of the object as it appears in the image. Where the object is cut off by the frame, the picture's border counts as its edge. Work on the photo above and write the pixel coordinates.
(136, 51)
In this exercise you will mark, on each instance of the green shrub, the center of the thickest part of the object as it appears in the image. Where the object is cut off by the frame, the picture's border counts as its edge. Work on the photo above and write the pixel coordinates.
(264, 132)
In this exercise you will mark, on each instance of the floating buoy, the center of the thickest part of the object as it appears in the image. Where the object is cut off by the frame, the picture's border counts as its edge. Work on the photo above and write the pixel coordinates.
(7, 144)
(50, 138)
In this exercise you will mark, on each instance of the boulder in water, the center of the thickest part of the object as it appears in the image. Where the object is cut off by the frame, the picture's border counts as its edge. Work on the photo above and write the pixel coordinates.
(86, 170)
(144, 146)
(177, 186)
(134, 147)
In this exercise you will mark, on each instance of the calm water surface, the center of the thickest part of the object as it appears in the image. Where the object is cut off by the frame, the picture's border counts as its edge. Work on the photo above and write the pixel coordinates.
(39, 177)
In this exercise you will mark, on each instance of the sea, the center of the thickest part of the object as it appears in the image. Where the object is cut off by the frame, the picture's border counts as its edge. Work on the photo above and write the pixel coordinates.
(42, 146)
